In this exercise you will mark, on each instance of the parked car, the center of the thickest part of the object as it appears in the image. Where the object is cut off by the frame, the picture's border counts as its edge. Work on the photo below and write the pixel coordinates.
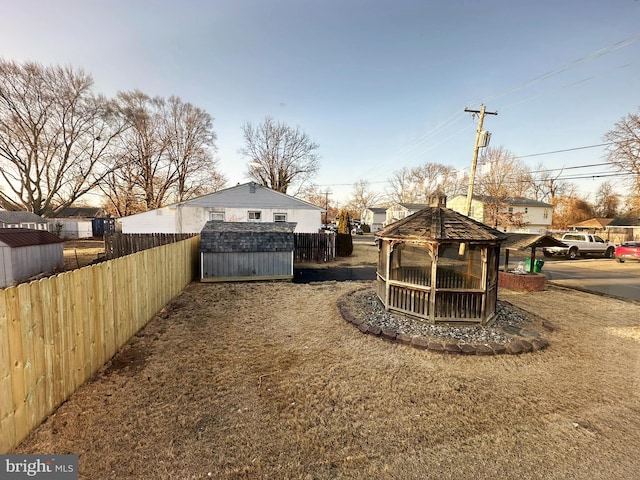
(356, 231)
(628, 251)
(581, 244)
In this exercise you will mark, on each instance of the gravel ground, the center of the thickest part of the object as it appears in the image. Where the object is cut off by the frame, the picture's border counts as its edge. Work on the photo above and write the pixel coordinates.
(371, 310)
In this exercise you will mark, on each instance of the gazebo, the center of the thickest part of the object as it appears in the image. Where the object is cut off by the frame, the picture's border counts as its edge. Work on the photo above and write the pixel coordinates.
(439, 266)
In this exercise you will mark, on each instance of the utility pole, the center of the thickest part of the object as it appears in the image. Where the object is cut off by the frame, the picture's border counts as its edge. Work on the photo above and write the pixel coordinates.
(476, 148)
(326, 206)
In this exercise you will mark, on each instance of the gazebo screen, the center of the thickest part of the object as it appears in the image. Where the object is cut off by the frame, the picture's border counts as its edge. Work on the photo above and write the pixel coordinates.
(406, 283)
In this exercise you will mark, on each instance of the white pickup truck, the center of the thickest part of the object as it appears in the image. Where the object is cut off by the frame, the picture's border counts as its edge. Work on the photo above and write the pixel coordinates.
(581, 244)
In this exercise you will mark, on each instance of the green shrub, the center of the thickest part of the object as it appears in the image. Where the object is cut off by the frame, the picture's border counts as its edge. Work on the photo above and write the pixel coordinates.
(365, 228)
(344, 244)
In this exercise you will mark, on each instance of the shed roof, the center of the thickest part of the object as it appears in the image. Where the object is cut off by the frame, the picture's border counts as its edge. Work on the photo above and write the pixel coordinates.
(20, 217)
(24, 237)
(438, 223)
(249, 227)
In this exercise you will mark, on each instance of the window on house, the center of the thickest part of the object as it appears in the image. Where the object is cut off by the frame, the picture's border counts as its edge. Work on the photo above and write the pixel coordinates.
(216, 216)
(279, 217)
(254, 215)
(510, 209)
(545, 214)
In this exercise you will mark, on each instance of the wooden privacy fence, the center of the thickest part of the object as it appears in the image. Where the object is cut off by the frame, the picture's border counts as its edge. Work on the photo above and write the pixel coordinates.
(118, 245)
(314, 247)
(57, 332)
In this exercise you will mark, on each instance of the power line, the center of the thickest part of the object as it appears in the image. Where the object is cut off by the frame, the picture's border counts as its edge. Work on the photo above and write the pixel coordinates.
(565, 150)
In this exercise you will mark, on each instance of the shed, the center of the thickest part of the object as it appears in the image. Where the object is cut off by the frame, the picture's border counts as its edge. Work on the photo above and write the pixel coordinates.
(25, 253)
(239, 251)
(439, 266)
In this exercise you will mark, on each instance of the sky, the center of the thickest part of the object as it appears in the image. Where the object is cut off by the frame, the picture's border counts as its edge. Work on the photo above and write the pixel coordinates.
(379, 85)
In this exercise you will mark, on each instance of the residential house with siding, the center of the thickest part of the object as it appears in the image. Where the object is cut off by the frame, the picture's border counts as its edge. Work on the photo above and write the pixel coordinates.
(248, 202)
(374, 217)
(22, 220)
(536, 216)
(402, 210)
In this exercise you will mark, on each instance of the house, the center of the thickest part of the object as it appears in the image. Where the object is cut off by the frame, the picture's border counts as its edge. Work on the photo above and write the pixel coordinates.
(26, 252)
(374, 217)
(534, 216)
(22, 220)
(239, 251)
(82, 222)
(401, 210)
(623, 229)
(592, 225)
(248, 202)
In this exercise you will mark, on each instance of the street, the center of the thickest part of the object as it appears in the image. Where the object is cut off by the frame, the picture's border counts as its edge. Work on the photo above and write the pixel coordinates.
(601, 275)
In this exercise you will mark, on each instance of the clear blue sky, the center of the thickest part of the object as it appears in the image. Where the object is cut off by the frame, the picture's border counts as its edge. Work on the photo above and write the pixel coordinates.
(378, 84)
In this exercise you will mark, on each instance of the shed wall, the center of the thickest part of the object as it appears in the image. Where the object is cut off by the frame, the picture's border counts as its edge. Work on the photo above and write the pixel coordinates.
(24, 262)
(221, 266)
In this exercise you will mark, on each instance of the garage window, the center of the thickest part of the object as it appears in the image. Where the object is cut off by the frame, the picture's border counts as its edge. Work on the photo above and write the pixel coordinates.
(254, 215)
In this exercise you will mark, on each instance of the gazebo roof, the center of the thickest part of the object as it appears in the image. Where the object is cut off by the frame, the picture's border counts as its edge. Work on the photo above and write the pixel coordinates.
(438, 223)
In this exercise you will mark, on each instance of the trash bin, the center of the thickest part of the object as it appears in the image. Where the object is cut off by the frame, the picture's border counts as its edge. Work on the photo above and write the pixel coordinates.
(537, 266)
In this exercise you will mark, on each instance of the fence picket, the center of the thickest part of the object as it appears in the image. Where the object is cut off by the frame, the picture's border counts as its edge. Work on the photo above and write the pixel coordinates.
(57, 332)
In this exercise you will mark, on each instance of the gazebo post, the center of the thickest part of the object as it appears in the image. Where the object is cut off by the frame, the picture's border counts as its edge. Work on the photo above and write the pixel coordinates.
(387, 273)
(506, 259)
(434, 281)
(533, 259)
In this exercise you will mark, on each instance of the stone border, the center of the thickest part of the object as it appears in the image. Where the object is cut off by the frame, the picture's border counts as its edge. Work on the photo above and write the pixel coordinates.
(523, 340)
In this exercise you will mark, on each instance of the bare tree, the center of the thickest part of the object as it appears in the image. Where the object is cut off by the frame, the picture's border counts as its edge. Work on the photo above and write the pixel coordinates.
(415, 185)
(570, 209)
(190, 150)
(55, 136)
(278, 155)
(167, 155)
(624, 151)
(502, 177)
(607, 201)
(362, 197)
(145, 147)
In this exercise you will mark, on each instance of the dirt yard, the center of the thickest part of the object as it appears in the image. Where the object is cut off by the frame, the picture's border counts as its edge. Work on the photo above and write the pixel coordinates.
(80, 253)
(266, 380)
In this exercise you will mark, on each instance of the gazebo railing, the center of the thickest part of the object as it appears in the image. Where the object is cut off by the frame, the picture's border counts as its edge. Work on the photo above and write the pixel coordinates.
(410, 300)
(459, 306)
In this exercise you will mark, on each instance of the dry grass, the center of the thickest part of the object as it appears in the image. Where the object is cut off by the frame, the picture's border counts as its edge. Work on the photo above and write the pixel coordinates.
(80, 253)
(266, 380)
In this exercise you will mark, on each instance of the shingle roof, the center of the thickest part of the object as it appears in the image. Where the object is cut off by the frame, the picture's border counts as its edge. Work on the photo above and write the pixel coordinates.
(515, 201)
(24, 237)
(523, 241)
(437, 223)
(250, 227)
(20, 217)
(413, 206)
(625, 222)
(81, 212)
